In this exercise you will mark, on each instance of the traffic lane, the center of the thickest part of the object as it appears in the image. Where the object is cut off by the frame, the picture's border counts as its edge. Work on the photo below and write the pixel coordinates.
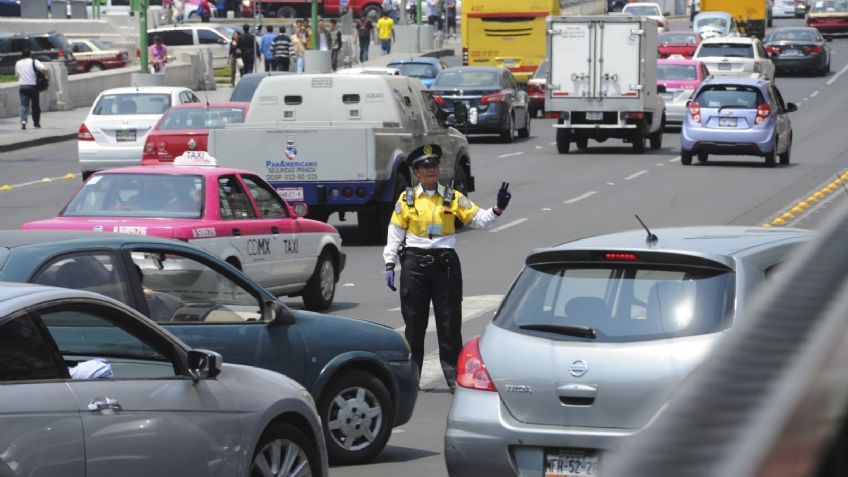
(799, 88)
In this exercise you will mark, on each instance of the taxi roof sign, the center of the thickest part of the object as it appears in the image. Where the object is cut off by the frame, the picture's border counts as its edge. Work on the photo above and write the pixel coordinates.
(195, 159)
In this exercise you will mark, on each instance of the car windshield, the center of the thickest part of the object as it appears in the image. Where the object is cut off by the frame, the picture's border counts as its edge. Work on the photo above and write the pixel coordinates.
(200, 118)
(131, 103)
(727, 50)
(716, 22)
(729, 96)
(226, 30)
(677, 72)
(416, 70)
(245, 88)
(618, 302)
(468, 79)
(830, 6)
(541, 71)
(794, 35)
(138, 195)
(642, 10)
(677, 39)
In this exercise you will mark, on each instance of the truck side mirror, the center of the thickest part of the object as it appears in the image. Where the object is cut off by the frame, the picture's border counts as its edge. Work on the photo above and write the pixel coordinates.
(460, 112)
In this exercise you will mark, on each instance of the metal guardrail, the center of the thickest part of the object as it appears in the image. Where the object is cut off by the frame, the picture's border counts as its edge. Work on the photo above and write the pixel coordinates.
(772, 399)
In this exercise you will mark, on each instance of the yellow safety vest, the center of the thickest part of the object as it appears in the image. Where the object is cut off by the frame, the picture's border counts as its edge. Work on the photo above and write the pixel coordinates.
(429, 210)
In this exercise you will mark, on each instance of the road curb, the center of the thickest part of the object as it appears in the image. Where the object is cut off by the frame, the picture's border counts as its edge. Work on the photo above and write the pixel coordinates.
(41, 141)
(797, 209)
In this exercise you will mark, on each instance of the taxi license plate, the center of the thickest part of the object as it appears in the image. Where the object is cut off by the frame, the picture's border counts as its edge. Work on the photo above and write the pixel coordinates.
(727, 122)
(594, 115)
(571, 462)
(724, 66)
(792, 52)
(125, 135)
(291, 193)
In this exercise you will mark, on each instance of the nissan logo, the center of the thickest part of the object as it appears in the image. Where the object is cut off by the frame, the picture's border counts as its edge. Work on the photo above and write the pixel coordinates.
(578, 368)
(192, 144)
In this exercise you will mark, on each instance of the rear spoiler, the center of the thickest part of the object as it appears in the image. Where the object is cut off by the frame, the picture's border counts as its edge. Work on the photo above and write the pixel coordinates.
(544, 257)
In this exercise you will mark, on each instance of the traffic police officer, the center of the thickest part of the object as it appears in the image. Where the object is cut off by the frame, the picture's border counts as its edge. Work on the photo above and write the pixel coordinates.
(424, 223)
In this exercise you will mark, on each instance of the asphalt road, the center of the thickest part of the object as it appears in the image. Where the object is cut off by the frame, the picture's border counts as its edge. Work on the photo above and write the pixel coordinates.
(556, 198)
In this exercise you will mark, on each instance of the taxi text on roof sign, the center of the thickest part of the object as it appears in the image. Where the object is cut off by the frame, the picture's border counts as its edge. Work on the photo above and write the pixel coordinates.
(195, 158)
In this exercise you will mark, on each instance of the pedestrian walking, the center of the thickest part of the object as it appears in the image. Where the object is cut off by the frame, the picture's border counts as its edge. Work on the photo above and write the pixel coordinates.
(335, 42)
(249, 52)
(236, 63)
(205, 11)
(423, 223)
(265, 45)
(27, 70)
(386, 33)
(157, 54)
(364, 31)
(450, 13)
(282, 47)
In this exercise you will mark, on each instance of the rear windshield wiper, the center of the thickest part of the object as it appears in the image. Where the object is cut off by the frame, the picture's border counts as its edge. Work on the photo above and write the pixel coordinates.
(568, 330)
(733, 106)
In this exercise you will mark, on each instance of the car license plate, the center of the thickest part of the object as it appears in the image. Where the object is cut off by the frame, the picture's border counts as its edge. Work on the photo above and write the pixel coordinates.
(792, 52)
(727, 122)
(571, 462)
(291, 193)
(125, 135)
(594, 115)
(724, 66)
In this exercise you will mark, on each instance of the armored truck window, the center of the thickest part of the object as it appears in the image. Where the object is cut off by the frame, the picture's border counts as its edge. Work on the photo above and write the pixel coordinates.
(350, 98)
(293, 100)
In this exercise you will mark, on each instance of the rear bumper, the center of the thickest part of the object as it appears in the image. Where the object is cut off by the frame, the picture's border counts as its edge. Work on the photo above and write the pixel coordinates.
(712, 141)
(829, 28)
(482, 438)
(801, 63)
(96, 157)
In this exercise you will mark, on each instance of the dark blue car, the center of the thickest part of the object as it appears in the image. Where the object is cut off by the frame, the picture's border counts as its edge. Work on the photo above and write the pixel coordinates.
(10, 8)
(359, 373)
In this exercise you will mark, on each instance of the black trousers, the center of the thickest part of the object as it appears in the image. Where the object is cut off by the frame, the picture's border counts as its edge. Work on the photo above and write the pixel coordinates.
(433, 276)
(282, 63)
(29, 97)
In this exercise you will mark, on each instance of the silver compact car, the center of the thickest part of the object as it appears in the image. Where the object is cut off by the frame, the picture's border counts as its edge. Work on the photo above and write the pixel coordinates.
(591, 341)
(89, 387)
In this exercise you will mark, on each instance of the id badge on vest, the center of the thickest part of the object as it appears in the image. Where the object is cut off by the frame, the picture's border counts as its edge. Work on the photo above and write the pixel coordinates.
(434, 229)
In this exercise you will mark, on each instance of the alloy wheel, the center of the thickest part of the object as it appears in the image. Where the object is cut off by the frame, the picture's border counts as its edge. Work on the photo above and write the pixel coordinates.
(354, 418)
(281, 458)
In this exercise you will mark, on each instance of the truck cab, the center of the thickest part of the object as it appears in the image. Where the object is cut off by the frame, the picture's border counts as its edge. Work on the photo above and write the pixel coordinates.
(339, 142)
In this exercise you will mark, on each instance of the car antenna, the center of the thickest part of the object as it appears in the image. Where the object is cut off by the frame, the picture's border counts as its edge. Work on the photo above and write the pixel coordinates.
(651, 237)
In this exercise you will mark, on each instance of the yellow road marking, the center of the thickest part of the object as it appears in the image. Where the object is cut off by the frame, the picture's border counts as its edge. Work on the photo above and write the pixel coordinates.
(802, 206)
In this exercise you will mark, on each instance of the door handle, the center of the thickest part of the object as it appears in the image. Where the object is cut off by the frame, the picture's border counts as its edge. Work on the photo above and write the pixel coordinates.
(236, 232)
(103, 403)
(275, 230)
(575, 394)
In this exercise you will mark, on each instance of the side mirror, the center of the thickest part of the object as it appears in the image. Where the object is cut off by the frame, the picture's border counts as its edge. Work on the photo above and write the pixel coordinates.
(300, 209)
(204, 364)
(276, 313)
(661, 88)
(460, 112)
(791, 107)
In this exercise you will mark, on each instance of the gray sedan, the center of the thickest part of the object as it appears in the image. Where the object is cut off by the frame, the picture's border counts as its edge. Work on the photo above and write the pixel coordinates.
(593, 338)
(89, 387)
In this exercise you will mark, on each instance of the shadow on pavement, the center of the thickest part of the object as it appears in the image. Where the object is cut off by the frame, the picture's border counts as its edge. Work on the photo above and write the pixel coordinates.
(401, 454)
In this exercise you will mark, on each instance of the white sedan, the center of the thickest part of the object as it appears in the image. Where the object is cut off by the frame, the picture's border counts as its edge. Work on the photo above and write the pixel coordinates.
(647, 10)
(735, 56)
(113, 134)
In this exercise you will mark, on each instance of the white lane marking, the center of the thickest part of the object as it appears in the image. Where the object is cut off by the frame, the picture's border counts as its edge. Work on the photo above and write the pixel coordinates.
(805, 99)
(546, 209)
(675, 159)
(837, 75)
(552, 144)
(510, 154)
(472, 307)
(635, 175)
(814, 94)
(660, 164)
(538, 147)
(581, 197)
(431, 374)
(397, 308)
(508, 225)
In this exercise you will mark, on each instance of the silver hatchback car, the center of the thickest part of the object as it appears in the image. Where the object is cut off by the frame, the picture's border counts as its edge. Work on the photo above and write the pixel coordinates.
(89, 387)
(591, 341)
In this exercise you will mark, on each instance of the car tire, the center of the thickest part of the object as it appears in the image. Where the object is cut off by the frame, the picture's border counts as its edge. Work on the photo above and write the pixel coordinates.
(582, 142)
(563, 140)
(703, 157)
(524, 132)
(367, 405)
(686, 158)
(508, 135)
(286, 12)
(284, 443)
(321, 286)
(656, 138)
(769, 157)
(534, 112)
(785, 155)
(639, 140)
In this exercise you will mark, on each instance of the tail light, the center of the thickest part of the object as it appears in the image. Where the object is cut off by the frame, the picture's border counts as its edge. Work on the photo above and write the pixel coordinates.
(620, 256)
(536, 89)
(494, 98)
(695, 112)
(464, 56)
(60, 54)
(471, 371)
(773, 50)
(811, 20)
(148, 146)
(815, 49)
(636, 115)
(439, 100)
(84, 134)
(161, 147)
(763, 112)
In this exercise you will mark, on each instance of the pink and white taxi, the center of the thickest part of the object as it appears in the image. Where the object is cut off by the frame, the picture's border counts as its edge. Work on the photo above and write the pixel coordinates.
(231, 213)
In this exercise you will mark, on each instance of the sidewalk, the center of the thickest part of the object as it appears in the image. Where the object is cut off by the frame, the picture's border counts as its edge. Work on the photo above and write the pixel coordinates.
(58, 126)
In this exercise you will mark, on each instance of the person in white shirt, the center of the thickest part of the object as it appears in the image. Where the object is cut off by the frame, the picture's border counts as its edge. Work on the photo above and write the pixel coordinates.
(27, 89)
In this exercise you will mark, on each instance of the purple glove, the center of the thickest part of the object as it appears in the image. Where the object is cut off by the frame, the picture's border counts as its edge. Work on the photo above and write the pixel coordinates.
(390, 278)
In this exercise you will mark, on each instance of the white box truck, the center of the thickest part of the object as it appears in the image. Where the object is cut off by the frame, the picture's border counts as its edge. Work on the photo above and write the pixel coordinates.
(338, 143)
(602, 81)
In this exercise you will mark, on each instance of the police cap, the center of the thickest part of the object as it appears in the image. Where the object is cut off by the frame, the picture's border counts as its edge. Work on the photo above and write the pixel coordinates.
(426, 154)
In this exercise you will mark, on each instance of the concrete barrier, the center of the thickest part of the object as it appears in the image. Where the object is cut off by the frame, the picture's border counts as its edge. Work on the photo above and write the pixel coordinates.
(192, 70)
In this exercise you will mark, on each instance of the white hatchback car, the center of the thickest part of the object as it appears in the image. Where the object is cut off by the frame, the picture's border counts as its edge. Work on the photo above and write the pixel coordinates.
(114, 131)
(739, 56)
(647, 10)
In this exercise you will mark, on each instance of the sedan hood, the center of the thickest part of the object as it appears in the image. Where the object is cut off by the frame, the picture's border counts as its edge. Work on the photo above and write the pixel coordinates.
(338, 335)
(587, 384)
